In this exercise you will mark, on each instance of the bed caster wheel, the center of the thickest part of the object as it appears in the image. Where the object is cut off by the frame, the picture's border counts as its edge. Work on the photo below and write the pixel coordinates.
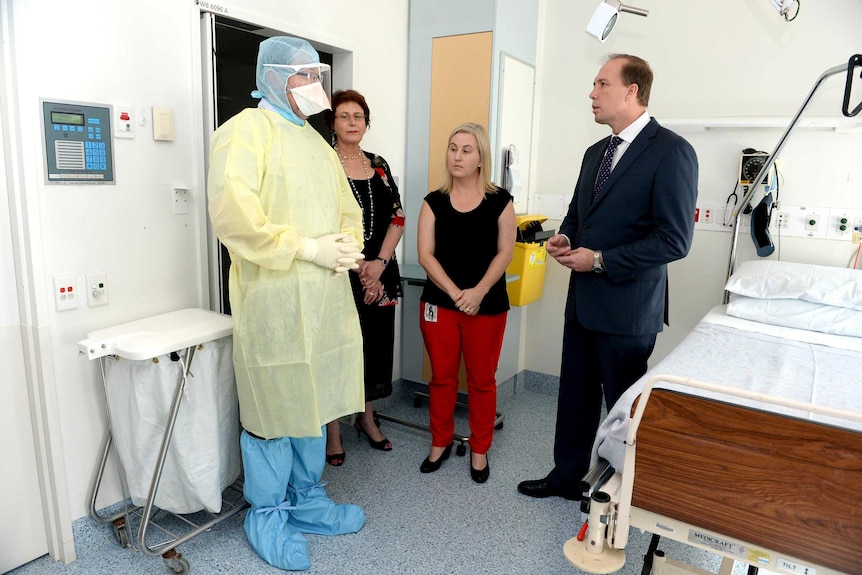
(499, 425)
(461, 450)
(175, 562)
(120, 532)
(417, 402)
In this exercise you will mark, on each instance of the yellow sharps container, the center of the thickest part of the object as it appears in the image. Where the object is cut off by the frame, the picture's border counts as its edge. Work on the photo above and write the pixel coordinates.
(526, 272)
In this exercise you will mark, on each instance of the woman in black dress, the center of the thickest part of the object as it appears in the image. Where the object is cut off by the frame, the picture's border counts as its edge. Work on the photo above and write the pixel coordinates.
(377, 282)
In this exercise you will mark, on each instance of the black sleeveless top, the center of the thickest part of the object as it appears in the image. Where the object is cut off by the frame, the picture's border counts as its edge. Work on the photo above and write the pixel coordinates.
(465, 243)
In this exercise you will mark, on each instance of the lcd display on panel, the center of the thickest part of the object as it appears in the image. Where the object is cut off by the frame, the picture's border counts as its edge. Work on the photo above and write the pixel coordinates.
(67, 118)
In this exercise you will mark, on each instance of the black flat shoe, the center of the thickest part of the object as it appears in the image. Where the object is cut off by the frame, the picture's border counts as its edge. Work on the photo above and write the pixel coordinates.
(336, 459)
(382, 445)
(481, 475)
(540, 488)
(429, 466)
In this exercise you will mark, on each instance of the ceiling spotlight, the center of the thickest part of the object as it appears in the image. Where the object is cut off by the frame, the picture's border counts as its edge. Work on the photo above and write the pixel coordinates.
(786, 7)
(605, 17)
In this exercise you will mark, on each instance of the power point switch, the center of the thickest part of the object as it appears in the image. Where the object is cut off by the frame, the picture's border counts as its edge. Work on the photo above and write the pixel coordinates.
(65, 293)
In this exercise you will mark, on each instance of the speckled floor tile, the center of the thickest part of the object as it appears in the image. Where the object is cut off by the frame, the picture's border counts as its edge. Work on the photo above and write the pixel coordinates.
(423, 524)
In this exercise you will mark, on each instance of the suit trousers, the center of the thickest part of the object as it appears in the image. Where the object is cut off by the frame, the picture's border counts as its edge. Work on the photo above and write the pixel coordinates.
(594, 364)
(447, 334)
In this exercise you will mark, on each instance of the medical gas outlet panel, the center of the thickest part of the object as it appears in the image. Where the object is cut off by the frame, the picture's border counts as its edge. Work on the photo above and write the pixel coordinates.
(78, 143)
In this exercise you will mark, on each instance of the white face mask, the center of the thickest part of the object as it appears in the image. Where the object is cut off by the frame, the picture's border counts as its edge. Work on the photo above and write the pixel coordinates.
(310, 99)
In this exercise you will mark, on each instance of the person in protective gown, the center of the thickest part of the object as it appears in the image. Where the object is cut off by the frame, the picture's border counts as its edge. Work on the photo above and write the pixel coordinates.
(280, 203)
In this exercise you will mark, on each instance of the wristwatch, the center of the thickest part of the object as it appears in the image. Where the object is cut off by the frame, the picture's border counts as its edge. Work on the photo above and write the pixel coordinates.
(597, 262)
(385, 261)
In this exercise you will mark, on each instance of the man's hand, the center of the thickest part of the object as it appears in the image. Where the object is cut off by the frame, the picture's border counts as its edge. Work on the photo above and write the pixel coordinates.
(558, 245)
(578, 259)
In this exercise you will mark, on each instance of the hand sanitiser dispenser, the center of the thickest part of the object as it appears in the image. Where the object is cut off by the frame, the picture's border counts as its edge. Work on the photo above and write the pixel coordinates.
(78, 143)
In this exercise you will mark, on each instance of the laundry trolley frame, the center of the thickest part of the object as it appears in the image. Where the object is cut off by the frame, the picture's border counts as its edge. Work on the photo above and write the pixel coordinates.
(176, 333)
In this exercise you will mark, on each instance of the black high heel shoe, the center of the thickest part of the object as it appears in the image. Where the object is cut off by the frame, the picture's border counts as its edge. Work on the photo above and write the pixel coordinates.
(429, 466)
(335, 459)
(382, 445)
(480, 475)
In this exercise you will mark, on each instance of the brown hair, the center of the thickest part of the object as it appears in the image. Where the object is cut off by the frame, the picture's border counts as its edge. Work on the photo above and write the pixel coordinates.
(636, 71)
(342, 96)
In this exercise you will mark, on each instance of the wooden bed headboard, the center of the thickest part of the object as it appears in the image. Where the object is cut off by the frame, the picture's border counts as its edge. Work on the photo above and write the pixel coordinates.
(787, 484)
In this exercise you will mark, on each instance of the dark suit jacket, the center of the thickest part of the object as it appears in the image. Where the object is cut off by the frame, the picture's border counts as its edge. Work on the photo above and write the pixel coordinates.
(642, 219)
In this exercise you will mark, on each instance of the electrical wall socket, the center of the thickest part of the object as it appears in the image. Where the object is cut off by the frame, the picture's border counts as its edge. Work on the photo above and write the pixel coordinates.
(710, 216)
(65, 293)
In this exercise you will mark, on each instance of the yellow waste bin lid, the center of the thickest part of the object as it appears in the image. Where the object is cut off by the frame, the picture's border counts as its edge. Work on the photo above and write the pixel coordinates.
(524, 221)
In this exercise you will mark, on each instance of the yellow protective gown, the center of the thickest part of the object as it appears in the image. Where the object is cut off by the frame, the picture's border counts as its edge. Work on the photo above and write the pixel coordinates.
(297, 342)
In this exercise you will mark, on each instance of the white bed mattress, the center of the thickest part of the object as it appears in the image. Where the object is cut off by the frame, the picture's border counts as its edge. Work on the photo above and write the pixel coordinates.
(796, 364)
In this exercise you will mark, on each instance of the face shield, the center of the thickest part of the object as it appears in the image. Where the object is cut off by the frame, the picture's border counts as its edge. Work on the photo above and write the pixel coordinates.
(310, 85)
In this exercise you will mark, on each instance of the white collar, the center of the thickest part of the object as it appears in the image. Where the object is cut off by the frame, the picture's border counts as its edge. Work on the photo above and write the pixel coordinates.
(630, 132)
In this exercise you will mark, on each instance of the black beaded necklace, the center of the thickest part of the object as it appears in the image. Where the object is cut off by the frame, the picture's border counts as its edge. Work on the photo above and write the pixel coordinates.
(366, 233)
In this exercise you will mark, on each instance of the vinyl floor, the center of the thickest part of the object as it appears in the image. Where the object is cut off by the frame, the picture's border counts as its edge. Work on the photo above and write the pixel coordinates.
(423, 524)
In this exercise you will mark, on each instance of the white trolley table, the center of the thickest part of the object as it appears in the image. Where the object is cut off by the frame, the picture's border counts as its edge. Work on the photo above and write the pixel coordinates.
(176, 335)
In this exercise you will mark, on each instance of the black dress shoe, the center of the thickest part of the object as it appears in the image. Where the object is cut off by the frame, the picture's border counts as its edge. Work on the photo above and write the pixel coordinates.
(540, 488)
(481, 475)
(429, 466)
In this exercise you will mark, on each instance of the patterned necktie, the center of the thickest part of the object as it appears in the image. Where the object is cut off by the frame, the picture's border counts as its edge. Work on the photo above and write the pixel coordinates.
(605, 167)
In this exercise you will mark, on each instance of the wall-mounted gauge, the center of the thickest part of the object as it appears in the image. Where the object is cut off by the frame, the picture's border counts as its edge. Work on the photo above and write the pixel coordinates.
(750, 164)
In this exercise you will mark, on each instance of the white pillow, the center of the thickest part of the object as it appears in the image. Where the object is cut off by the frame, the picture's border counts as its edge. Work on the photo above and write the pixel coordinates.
(768, 279)
(798, 314)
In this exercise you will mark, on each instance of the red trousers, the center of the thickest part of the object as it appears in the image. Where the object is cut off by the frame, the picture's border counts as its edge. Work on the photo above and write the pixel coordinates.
(448, 334)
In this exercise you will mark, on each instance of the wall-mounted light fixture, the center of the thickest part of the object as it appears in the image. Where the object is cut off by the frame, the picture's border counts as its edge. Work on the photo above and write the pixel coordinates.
(605, 17)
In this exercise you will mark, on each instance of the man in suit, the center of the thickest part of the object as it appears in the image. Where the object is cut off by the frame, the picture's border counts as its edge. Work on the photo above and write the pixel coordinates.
(631, 214)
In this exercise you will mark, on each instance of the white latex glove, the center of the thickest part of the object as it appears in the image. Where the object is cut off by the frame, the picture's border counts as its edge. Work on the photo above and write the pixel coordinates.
(337, 252)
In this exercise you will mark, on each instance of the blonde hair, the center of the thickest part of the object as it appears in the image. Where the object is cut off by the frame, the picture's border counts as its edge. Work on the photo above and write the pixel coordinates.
(484, 146)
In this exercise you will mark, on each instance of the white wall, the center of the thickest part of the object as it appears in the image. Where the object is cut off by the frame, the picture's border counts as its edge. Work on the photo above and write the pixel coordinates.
(146, 55)
(739, 58)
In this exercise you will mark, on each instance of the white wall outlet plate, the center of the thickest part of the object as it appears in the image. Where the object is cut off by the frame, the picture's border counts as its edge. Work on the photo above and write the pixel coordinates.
(97, 289)
(65, 293)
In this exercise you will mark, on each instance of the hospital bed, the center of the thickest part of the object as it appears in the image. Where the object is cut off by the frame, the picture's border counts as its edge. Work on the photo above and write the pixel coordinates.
(174, 420)
(746, 439)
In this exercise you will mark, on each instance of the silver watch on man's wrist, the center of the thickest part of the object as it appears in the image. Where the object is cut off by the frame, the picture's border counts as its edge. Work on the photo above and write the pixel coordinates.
(597, 262)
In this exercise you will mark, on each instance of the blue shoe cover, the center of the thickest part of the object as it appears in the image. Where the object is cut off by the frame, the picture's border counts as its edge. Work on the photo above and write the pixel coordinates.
(314, 511)
(274, 540)
(267, 467)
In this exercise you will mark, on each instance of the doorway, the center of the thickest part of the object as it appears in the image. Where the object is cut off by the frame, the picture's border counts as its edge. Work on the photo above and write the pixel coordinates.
(235, 47)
